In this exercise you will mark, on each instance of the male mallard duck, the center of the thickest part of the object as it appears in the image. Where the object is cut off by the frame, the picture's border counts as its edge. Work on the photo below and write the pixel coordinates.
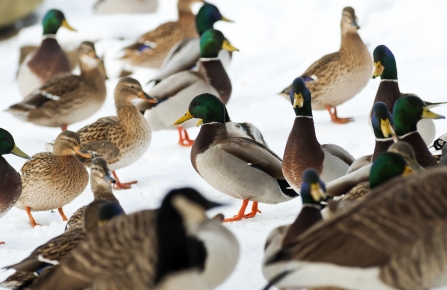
(176, 92)
(10, 182)
(239, 167)
(49, 60)
(407, 112)
(338, 77)
(186, 53)
(303, 149)
(52, 180)
(195, 251)
(393, 239)
(52, 252)
(388, 91)
(313, 192)
(125, 6)
(152, 47)
(100, 182)
(67, 98)
(120, 140)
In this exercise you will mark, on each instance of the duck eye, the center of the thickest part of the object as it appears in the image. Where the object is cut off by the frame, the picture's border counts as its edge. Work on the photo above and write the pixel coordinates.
(133, 87)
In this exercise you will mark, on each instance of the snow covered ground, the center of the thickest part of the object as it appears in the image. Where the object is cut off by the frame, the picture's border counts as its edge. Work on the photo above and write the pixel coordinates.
(278, 40)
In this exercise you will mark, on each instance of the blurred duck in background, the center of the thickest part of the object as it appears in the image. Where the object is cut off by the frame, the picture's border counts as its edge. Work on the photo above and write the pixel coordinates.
(125, 6)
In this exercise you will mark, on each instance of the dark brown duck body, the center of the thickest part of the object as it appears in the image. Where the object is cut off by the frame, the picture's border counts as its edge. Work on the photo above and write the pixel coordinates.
(217, 77)
(10, 186)
(423, 156)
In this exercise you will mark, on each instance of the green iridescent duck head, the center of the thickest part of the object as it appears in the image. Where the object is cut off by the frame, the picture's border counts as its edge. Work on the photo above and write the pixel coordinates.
(301, 98)
(384, 63)
(212, 42)
(53, 20)
(387, 166)
(207, 16)
(206, 107)
(8, 146)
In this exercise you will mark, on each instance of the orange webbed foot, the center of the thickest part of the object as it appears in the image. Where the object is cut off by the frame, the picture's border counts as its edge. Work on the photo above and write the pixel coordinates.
(122, 185)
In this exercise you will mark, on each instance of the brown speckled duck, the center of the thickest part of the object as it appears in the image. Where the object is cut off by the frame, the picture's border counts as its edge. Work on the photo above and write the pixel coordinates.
(303, 149)
(338, 77)
(151, 48)
(49, 60)
(52, 180)
(10, 182)
(67, 98)
(120, 140)
(101, 185)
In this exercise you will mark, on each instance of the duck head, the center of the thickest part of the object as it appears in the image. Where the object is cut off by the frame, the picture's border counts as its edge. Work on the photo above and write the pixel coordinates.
(407, 112)
(384, 63)
(212, 42)
(382, 121)
(8, 146)
(301, 98)
(68, 143)
(129, 89)
(387, 166)
(348, 20)
(53, 20)
(99, 212)
(206, 107)
(207, 16)
(100, 175)
(407, 152)
(87, 57)
(313, 189)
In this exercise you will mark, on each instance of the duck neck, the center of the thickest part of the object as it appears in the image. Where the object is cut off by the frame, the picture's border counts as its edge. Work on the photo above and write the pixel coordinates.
(351, 45)
(388, 92)
(423, 156)
(92, 75)
(309, 215)
(382, 145)
(103, 192)
(212, 70)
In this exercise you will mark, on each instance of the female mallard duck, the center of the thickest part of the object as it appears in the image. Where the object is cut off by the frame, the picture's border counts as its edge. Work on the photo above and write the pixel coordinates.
(313, 192)
(407, 112)
(388, 91)
(239, 167)
(176, 92)
(67, 98)
(52, 180)
(10, 182)
(101, 185)
(125, 6)
(52, 252)
(49, 60)
(196, 251)
(393, 239)
(303, 149)
(338, 77)
(152, 47)
(186, 53)
(123, 139)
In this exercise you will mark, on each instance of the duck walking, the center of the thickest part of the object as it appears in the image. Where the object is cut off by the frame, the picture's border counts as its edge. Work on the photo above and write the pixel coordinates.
(338, 77)
(49, 60)
(239, 167)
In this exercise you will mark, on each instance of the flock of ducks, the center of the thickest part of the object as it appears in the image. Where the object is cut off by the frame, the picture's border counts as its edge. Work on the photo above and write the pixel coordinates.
(364, 224)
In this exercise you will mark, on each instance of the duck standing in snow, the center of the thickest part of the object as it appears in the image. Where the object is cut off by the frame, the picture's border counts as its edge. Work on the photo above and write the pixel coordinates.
(52, 180)
(123, 139)
(66, 98)
(239, 167)
(303, 149)
(339, 76)
(49, 60)
(176, 92)
(10, 182)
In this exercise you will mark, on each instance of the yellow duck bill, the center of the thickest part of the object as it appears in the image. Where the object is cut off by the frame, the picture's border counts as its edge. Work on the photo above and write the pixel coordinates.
(427, 114)
(16, 151)
(378, 70)
(184, 118)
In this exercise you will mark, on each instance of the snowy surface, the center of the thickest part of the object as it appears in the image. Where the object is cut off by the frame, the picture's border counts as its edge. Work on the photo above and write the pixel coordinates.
(278, 40)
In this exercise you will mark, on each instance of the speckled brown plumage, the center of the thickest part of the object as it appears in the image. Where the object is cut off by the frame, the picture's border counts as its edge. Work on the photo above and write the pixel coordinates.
(164, 37)
(398, 227)
(10, 186)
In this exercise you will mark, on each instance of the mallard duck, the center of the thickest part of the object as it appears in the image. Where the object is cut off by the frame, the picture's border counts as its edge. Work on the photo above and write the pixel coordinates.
(49, 60)
(246, 130)
(393, 239)
(120, 140)
(10, 182)
(239, 167)
(186, 53)
(313, 192)
(338, 77)
(52, 180)
(100, 182)
(303, 149)
(196, 251)
(52, 252)
(125, 6)
(176, 92)
(67, 98)
(407, 112)
(151, 48)
(388, 91)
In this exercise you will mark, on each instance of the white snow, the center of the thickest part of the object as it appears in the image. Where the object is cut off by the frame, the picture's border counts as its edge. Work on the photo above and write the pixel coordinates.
(278, 40)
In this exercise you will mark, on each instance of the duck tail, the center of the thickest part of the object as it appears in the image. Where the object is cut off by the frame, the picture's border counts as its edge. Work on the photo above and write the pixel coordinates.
(276, 279)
